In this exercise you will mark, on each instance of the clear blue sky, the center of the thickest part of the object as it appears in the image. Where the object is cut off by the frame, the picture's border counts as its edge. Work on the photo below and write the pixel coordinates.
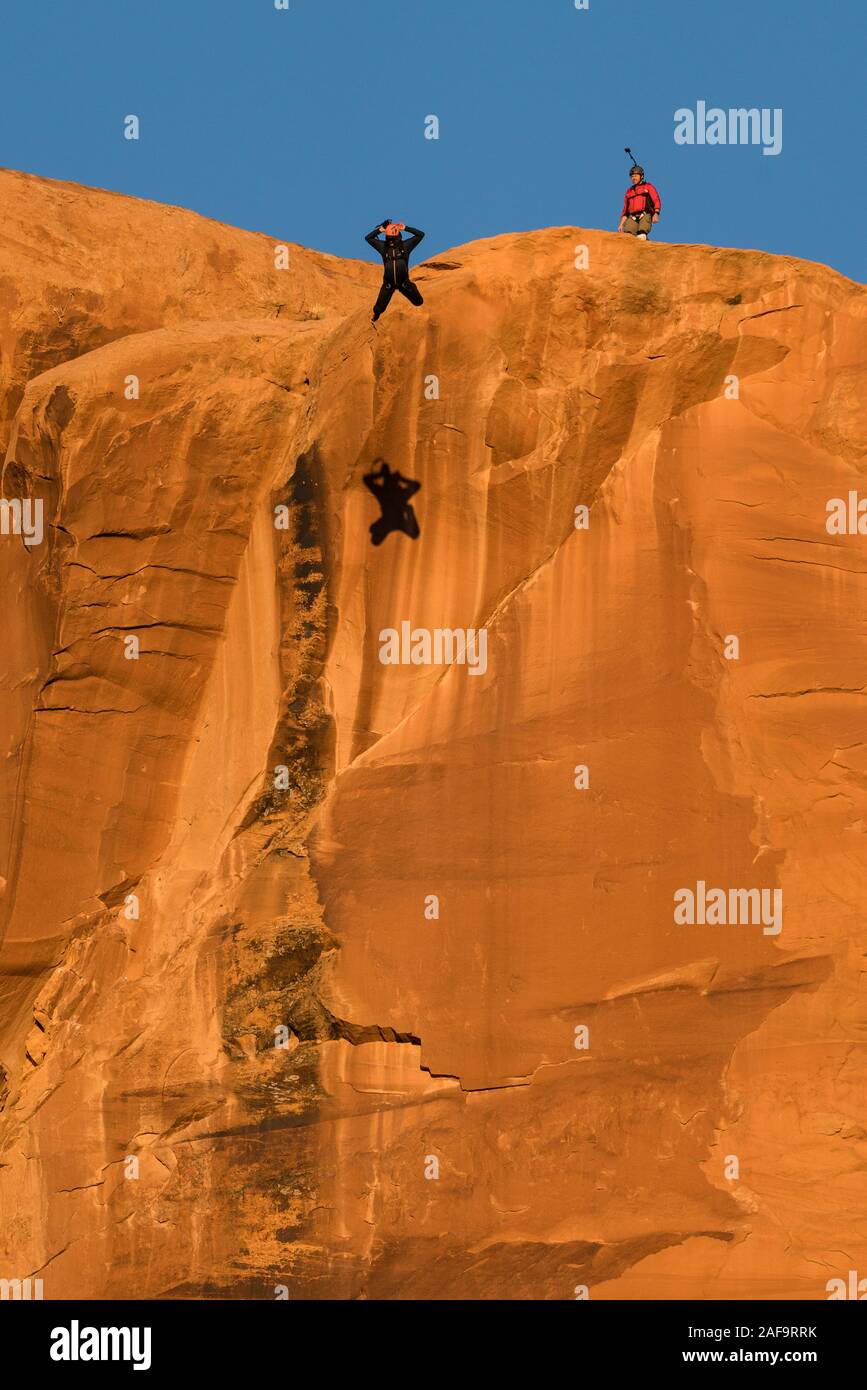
(308, 124)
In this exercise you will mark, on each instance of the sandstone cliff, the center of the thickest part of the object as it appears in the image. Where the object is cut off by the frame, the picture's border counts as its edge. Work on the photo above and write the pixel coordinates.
(248, 822)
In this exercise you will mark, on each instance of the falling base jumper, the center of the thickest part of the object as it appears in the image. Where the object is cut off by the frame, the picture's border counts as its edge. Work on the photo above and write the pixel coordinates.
(395, 253)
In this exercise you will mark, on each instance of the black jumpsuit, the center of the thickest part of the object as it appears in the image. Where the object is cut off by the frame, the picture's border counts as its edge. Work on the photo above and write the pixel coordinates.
(395, 254)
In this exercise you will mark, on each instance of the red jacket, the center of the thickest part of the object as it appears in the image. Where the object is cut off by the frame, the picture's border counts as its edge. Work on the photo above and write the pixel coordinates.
(637, 200)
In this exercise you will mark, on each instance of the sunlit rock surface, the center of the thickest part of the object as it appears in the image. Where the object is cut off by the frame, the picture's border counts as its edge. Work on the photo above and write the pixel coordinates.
(508, 1071)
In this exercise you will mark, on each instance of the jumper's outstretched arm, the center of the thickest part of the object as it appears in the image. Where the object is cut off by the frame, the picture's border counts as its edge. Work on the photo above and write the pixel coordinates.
(412, 241)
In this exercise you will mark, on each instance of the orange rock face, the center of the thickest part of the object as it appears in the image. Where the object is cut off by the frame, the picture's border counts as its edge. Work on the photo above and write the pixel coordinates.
(332, 962)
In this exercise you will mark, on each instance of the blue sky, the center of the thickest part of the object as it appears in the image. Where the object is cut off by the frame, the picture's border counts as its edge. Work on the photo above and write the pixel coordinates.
(308, 124)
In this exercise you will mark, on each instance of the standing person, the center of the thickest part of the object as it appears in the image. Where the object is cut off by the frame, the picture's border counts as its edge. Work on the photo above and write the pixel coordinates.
(641, 206)
(395, 253)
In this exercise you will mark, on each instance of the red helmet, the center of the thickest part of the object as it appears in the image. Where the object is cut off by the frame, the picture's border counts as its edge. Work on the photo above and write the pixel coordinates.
(394, 228)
